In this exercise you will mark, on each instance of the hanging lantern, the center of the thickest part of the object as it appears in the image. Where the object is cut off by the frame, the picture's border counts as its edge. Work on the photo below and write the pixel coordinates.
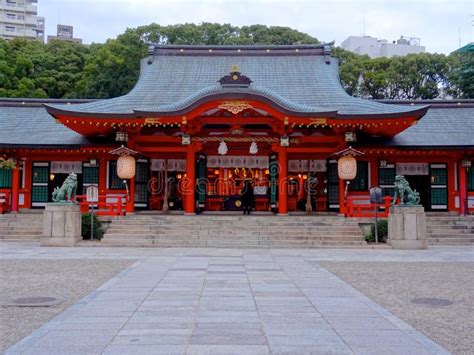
(222, 150)
(347, 167)
(126, 167)
(253, 148)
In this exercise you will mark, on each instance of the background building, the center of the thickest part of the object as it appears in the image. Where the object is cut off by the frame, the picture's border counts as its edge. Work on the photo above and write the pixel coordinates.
(375, 48)
(18, 18)
(65, 33)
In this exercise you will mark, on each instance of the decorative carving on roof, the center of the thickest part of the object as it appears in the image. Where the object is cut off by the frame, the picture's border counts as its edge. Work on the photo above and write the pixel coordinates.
(235, 78)
(235, 106)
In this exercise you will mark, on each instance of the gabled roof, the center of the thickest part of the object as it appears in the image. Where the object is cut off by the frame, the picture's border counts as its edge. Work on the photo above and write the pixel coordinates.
(301, 79)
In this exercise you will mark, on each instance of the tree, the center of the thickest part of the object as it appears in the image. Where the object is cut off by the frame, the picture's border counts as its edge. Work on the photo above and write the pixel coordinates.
(461, 76)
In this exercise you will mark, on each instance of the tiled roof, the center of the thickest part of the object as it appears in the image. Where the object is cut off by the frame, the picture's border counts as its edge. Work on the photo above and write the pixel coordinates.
(297, 78)
(33, 126)
(440, 127)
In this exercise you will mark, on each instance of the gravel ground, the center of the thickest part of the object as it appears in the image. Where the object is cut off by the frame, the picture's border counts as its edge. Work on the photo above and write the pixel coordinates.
(394, 285)
(68, 280)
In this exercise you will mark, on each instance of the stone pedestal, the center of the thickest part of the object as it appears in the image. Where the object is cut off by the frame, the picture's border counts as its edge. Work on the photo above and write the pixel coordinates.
(407, 227)
(61, 225)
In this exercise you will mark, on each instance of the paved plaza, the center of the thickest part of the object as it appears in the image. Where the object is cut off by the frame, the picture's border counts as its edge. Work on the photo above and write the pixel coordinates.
(227, 301)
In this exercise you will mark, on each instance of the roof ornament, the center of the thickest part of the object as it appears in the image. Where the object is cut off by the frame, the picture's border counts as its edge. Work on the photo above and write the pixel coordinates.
(235, 79)
(327, 53)
(151, 52)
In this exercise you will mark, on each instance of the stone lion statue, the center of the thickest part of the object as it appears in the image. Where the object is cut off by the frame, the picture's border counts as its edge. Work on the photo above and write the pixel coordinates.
(404, 192)
(67, 192)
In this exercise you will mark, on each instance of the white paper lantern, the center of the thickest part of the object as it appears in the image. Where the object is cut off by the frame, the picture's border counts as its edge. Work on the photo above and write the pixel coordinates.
(222, 150)
(126, 167)
(253, 148)
(347, 167)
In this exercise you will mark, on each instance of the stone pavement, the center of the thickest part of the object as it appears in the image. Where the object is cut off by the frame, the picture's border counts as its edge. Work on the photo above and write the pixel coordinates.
(227, 301)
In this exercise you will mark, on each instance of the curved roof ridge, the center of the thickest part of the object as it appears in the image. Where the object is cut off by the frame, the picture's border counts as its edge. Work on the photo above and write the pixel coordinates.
(252, 90)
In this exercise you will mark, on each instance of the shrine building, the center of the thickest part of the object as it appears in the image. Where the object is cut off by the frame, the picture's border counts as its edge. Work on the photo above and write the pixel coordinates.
(208, 118)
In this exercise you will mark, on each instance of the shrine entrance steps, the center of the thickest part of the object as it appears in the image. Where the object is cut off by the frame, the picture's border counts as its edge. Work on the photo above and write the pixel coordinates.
(21, 226)
(255, 231)
(445, 229)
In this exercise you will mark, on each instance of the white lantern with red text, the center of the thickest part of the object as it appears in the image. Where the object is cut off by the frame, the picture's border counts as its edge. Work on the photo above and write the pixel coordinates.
(126, 167)
(347, 167)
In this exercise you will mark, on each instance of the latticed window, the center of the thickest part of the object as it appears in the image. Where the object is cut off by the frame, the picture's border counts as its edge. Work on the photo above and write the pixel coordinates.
(114, 181)
(470, 179)
(438, 197)
(361, 181)
(5, 178)
(333, 185)
(40, 174)
(90, 175)
(387, 179)
(40, 189)
(439, 176)
(141, 183)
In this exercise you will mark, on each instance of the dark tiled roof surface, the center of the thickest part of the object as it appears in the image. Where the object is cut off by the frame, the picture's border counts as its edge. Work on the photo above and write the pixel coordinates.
(300, 82)
(33, 126)
(440, 127)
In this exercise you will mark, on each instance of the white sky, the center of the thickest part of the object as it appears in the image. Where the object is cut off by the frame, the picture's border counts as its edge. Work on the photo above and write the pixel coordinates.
(437, 22)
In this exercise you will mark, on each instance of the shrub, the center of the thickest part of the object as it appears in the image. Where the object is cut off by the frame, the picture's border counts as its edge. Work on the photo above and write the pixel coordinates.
(382, 231)
(86, 227)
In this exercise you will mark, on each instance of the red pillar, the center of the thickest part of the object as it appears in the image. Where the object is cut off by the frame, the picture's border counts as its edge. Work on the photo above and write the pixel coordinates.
(131, 195)
(15, 189)
(102, 176)
(462, 189)
(188, 183)
(451, 185)
(28, 172)
(342, 200)
(283, 181)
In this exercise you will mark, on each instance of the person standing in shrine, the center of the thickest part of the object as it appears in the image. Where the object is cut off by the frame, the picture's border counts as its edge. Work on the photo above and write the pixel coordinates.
(247, 197)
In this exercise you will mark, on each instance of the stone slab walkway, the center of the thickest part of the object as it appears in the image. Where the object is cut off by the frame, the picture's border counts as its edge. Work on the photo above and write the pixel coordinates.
(225, 301)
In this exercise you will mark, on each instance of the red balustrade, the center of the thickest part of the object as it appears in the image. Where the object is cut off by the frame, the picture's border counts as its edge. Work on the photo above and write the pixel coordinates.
(104, 207)
(360, 206)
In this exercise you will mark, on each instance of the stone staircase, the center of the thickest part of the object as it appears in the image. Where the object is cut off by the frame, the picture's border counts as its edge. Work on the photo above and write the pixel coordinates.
(234, 231)
(446, 229)
(21, 226)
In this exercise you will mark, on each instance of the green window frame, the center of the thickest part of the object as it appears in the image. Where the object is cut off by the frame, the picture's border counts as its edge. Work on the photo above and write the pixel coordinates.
(332, 185)
(470, 179)
(40, 188)
(361, 181)
(439, 186)
(90, 175)
(5, 178)
(387, 179)
(141, 183)
(115, 183)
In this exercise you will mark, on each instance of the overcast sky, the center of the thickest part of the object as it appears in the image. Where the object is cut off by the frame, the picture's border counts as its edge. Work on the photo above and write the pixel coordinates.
(437, 23)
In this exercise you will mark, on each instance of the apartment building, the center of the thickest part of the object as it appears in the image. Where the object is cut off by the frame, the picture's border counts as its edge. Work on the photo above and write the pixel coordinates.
(19, 19)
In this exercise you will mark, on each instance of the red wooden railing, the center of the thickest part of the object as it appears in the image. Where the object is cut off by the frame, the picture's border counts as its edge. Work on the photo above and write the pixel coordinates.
(4, 202)
(104, 207)
(360, 206)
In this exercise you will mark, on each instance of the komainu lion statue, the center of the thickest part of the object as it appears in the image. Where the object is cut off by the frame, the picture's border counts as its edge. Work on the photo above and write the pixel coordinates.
(404, 192)
(67, 192)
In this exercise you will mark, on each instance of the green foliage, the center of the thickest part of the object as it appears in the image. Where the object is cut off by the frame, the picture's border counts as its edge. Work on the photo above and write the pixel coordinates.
(86, 227)
(461, 75)
(382, 232)
(69, 70)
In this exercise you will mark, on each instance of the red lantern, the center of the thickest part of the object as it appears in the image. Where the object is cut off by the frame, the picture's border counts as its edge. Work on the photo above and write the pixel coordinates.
(347, 167)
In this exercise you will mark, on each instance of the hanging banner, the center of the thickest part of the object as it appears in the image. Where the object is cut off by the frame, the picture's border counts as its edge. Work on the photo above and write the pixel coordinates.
(298, 166)
(237, 161)
(412, 168)
(173, 164)
(66, 167)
